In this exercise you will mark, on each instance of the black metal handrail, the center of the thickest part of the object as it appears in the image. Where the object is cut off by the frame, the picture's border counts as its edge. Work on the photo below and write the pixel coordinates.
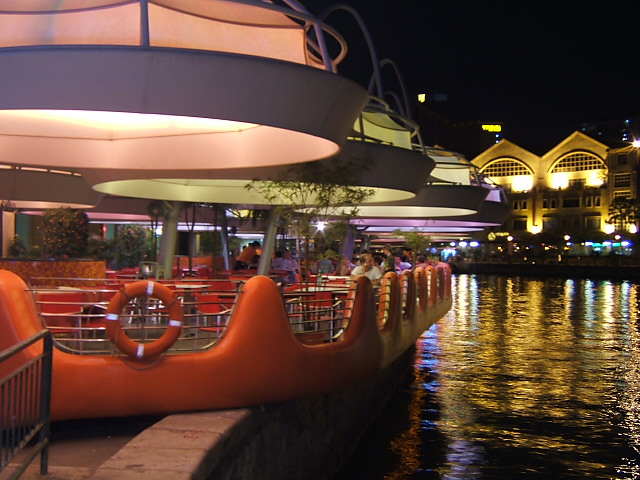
(25, 400)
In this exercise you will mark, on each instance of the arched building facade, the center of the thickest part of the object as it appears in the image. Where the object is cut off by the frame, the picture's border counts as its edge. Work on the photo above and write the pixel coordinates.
(566, 191)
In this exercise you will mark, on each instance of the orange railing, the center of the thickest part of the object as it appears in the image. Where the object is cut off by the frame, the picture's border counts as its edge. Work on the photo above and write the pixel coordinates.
(317, 313)
(243, 337)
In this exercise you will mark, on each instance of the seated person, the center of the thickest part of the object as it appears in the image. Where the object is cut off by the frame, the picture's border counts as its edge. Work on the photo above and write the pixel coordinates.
(368, 269)
(344, 266)
(278, 262)
(324, 265)
(290, 264)
(247, 256)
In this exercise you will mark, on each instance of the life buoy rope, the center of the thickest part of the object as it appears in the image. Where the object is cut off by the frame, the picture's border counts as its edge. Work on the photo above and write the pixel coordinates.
(122, 341)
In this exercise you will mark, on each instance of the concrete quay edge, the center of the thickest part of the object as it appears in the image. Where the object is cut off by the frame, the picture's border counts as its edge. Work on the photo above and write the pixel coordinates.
(180, 446)
(313, 435)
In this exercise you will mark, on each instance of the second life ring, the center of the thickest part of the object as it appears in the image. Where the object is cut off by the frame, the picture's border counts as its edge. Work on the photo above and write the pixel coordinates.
(152, 349)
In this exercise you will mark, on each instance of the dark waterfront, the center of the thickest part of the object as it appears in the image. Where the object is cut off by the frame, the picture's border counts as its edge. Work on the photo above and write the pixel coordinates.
(525, 378)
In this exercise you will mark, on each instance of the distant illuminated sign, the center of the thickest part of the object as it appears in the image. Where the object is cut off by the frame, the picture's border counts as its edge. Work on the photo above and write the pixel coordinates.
(422, 97)
(493, 235)
(492, 128)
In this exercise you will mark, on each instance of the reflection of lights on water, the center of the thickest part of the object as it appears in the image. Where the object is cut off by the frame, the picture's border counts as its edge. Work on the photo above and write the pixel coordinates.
(408, 445)
(550, 367)
(535, 365)
(463, 460)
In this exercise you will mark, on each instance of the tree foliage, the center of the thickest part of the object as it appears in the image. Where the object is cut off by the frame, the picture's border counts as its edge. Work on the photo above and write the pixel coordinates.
(324, 190)
(416, 241)
(65, 233)
(623, 212)
(131, 245)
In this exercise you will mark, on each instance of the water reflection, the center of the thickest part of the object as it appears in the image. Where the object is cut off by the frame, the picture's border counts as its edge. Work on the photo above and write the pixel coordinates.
(526, 378)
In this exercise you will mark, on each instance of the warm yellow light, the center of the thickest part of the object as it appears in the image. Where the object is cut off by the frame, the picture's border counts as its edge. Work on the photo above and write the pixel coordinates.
(608, 228)
(492, 128)
(522, 183)
(559, 180)
(535, 229)
(422, 97)
(595, 179)
(137, 123)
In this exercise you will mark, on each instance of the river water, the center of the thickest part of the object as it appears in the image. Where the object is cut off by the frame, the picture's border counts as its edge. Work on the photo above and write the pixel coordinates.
(525, 378)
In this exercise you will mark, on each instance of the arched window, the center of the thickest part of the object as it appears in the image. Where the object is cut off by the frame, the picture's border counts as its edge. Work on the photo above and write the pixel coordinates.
(578, 162)
(505, 167)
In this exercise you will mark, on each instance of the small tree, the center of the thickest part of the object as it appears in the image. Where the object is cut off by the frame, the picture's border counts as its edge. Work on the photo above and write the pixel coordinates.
(18, 249)
(101, 249)
(416, 241)
(623, 212)
(323, 190)
(131, 245)
(156, 210)
(65, 233)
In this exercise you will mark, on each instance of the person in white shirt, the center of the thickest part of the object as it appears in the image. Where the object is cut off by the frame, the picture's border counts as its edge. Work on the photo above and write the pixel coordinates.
(368, 269)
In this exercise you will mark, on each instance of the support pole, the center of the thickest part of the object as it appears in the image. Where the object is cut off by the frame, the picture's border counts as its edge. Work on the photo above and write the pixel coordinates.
(346, 248)
(169, 239)
(224, 237)
(269, 242)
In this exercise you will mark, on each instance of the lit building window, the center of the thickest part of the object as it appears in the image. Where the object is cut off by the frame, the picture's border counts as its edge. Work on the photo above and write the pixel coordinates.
(622, 194)
(570, 202)
(622, 180)
(571, 223)
(578, 162)
(592, 222)
(520, 223)
(505, 167)
(550, 223)
(577, 183)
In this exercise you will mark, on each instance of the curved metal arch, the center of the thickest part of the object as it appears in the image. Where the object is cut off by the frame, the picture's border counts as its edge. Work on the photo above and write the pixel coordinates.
(405, 105)
(517, 161)
(586, 153)
(367, 36)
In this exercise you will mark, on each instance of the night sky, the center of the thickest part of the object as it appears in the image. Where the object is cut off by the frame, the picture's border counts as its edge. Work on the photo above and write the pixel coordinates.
(540, 67)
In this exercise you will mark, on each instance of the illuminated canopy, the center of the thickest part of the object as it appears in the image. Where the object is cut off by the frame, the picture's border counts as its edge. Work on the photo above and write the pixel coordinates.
(453, 189)
(199, 84)
(386, 175)
(492, 212)
(380, 146)
(40, 188)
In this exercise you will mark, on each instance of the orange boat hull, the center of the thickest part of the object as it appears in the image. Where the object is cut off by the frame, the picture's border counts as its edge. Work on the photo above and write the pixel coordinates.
(259, 359)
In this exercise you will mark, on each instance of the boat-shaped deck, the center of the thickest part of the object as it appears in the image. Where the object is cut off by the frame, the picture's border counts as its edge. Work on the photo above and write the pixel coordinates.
(147, 347)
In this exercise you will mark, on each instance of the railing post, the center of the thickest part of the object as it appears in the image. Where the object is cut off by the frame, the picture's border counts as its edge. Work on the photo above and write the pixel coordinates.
(45, 401)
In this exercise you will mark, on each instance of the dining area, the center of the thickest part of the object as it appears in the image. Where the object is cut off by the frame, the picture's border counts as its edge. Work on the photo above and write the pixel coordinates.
(77, 315)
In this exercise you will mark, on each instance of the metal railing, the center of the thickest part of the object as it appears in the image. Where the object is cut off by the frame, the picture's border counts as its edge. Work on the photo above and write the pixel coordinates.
(319, 315)
(25, 395)
(76, 316)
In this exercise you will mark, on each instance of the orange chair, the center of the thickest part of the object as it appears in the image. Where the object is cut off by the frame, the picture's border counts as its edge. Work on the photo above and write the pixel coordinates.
(61, 311)
(213, 312)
